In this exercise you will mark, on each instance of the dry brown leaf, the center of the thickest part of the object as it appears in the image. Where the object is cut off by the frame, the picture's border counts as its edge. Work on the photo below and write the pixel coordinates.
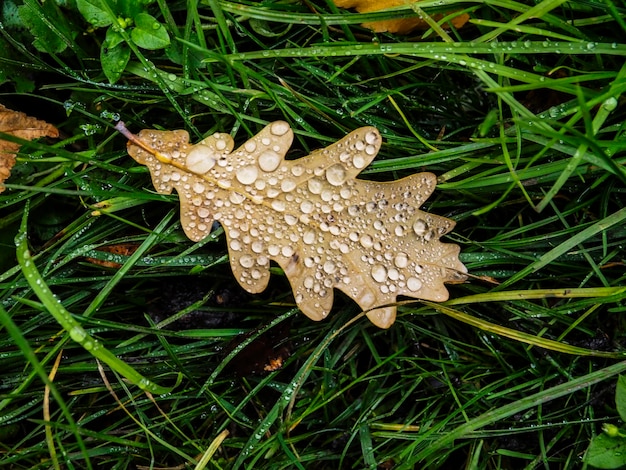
(22, 126)
(399, 26)
(124, 249)
(325, 228)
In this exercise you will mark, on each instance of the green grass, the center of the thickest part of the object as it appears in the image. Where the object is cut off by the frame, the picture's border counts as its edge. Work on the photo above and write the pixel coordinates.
(150, 362)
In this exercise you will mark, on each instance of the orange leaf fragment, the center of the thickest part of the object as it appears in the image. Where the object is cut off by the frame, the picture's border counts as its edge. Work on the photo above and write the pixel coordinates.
(400, 25)
(124, 249)
(22, 126)
(325, 228)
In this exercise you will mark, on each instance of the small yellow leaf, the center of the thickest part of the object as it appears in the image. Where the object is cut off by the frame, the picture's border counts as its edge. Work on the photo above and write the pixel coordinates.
(22, 126)
(325, 228)
(400, 25)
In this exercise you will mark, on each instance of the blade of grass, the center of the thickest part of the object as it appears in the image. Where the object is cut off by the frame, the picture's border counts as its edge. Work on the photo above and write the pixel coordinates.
(595, 229)
(602, 114)
(31, 358)
(66, 320)
(519, 335)
(511, 409)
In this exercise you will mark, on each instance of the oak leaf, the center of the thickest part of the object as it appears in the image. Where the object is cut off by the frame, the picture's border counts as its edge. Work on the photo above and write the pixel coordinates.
(325, 228)
(400, 25)
(19, 125)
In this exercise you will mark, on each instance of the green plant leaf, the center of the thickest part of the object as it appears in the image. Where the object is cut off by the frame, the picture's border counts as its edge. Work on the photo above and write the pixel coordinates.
(44, 25)
(95, 11)
(114, 55)
(131, 8)
(112, 39)
(263, 28)
(620, 397)
(114, 60)
(13, 73)
(606, 452)
(149, 33)
(10, 15)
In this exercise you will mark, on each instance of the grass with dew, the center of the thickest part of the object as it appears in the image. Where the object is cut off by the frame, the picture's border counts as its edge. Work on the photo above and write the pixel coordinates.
(123, 344)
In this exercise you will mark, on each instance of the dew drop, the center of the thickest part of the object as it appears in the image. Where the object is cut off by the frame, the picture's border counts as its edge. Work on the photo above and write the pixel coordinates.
(413, 284)
(366, 241)
(77, 334)
(371, 137)
(286, 251)
(250, 146)
(279, 128)
(419, 227)
(336, 175)
(247, 174)
(288, 185)
(269, 161)
(203, 212)
(247, 261)
(315, 186)
(236, 198)
(610, 104)
(358, 161)
(200, 159)
(329, 267)
(220, 144)
(307, 207)
(309, 237)
(297, 170)
(273, 250)
(401, 260)
(291, 219)
(278, 205)
(379, 273)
